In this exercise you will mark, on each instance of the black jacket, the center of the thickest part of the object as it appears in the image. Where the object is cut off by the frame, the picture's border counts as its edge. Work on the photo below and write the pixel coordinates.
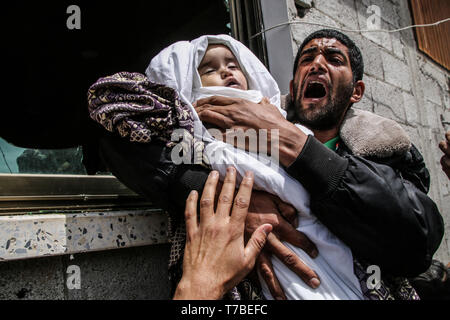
(378, 207)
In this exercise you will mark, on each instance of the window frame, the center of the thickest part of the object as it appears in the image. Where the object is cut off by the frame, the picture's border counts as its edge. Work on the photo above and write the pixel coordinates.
(266, 46)
(48, 193)
(246, 18)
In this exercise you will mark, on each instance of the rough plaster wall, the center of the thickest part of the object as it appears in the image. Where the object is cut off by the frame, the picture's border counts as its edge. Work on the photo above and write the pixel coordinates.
(122, 274)
(401, 83)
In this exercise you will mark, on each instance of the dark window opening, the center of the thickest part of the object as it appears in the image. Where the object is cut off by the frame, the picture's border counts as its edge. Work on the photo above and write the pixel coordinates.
(50, 68)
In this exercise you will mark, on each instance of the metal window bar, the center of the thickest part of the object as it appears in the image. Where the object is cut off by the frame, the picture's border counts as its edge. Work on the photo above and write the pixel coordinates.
(246, 20)
(47, 193)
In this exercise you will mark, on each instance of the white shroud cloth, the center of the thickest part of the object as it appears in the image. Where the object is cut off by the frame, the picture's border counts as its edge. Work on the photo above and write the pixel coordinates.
(176, 67)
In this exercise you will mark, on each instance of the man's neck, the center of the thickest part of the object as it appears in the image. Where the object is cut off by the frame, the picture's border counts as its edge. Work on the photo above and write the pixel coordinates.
(325, 135)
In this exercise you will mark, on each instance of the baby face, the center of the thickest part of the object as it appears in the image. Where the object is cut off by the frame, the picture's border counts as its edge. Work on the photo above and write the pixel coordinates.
(219, 67)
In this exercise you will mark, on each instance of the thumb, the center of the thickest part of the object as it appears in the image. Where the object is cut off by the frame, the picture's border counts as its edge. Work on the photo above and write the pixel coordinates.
(256, 243)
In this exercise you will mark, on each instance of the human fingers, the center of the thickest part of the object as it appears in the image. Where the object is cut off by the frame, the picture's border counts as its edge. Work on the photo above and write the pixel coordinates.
(265, 269)
(190, 215)
(226, 194)
(256, 244)
(215, 101)
(288, 212)
(242, 200)
(289, 234)
(293, 262)
(207, 199)
(215, 118)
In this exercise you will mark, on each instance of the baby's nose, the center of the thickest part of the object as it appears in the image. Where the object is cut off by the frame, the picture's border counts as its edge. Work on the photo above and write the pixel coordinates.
(226, 72)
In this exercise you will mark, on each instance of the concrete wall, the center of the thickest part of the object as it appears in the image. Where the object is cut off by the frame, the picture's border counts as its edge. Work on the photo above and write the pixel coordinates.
(401, 83)
(130, 273)
(91, 255)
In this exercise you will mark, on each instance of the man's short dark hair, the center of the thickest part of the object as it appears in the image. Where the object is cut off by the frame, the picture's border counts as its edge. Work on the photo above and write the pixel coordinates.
(356, 59)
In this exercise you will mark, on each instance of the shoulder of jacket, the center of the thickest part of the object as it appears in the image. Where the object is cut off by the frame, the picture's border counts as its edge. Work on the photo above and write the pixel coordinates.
(369, 135)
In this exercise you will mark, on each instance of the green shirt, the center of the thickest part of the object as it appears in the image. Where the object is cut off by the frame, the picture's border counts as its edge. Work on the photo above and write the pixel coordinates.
(332, 143)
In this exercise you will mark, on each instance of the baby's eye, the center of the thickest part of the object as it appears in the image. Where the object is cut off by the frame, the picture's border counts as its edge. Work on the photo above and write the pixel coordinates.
(208, 71)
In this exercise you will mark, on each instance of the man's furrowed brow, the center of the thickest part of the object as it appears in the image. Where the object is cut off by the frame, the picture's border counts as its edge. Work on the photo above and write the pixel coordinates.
(327, 50)
(334, 50)
(308, 50)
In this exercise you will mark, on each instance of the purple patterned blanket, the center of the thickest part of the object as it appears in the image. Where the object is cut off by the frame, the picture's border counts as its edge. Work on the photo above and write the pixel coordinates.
(138, 109)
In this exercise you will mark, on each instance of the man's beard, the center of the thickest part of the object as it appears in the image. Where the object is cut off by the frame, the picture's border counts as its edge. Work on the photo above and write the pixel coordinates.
(327, 116)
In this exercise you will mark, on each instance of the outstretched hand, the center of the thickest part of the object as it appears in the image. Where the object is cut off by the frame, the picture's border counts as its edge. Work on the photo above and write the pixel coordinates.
(215, 257)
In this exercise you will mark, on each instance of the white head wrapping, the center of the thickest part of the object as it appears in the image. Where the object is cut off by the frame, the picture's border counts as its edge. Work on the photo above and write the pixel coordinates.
(176, 67)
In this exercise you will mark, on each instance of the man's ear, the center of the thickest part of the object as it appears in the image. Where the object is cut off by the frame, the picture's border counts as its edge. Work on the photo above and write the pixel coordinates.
(358, 91)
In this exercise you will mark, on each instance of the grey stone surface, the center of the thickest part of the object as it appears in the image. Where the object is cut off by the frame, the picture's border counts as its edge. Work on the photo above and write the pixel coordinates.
(410, 106)
(433, 113)
(373, 64)
(381, 38)
(388, 10)
(131, 273)
(301, 31)
(389, 100)
(431, 89)
(32, 279)
(341, 10)
(397, 45)
(396, 72)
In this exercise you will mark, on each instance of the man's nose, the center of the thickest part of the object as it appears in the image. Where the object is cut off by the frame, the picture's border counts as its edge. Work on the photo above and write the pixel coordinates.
(318, 64)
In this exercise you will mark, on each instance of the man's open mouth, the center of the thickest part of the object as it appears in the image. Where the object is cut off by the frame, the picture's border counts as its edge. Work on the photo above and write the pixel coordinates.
(315, 90)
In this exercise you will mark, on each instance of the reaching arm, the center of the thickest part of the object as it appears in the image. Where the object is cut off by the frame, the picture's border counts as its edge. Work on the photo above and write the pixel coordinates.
(215, 258)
